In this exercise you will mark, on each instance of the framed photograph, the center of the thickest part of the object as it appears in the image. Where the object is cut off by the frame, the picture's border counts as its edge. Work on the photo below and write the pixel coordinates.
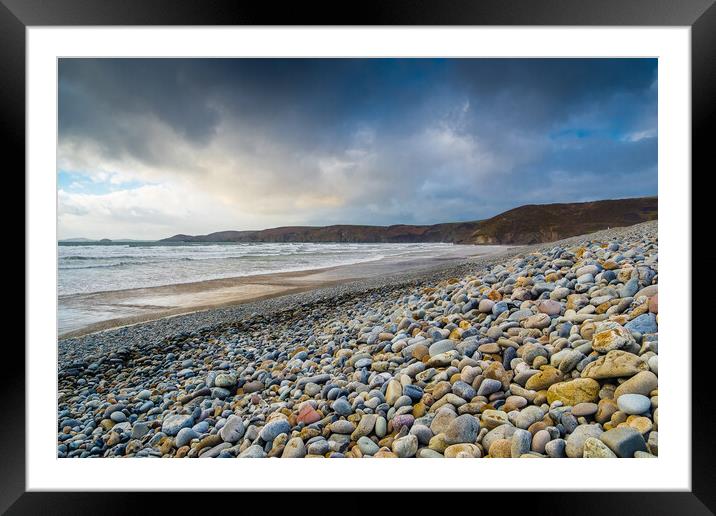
(423, 232)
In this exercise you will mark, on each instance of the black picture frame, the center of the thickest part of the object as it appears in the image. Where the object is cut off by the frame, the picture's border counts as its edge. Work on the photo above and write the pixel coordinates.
(700, 15)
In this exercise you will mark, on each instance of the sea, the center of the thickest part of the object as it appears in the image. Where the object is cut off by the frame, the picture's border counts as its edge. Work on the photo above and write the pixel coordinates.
(88, 267)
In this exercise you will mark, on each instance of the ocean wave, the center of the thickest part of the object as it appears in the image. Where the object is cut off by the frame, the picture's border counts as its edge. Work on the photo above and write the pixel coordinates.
(167, 265)
(268, 255)
(97, 257)
(105, 265)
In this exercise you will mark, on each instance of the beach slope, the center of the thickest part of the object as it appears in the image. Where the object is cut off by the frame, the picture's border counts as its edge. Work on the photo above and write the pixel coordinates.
(542, 351)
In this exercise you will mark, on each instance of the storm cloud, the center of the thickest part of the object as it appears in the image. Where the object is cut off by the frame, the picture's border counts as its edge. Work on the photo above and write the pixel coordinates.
(153, 147)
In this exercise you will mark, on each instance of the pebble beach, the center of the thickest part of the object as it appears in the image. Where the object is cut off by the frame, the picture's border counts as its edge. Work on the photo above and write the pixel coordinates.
(545, 351)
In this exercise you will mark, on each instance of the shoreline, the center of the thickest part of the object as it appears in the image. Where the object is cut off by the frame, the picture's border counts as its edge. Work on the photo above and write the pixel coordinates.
(139, 305)
(204, 322)
(221, 298)
(212, 319)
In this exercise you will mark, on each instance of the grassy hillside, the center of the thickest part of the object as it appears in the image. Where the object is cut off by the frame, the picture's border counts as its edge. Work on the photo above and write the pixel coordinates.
(534, 224)
(528, 224)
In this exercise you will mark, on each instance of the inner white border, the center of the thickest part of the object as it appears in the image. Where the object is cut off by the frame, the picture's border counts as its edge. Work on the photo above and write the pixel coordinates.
(670, 471)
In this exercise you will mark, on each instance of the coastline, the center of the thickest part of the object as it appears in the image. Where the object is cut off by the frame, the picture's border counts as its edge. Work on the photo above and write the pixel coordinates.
(545, 351)
(120, 308)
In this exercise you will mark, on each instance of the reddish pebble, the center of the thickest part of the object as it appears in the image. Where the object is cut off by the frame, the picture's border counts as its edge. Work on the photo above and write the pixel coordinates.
(308, 415)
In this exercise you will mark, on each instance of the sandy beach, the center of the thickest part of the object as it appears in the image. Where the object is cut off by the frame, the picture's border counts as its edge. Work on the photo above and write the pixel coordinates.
(81, 314)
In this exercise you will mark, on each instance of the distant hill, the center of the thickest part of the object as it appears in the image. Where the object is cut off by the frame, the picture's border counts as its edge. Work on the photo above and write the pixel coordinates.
(401, 233)
(533, 224)
(528, 224)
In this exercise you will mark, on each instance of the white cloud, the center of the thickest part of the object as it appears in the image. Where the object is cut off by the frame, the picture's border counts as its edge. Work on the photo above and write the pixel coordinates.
(640, 135)
(147, 212)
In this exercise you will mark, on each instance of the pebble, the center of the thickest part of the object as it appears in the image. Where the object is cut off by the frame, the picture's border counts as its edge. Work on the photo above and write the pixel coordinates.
(342, 407)
(462, 429)
(520, 443)
(139, 430)
(462, 451)
(501, 449)
(610, 335)
(185, 436)
(540, 440)
(320, 447)
(367, 446)
(645, 323)
(273, 428)
(405, 446)
(556, 448)
(584, 409)
(528, 416)
(441, 346)
(596, 449)
(641, 383)
(252, 452)
(294, 449)
(654, 364)
(381, 426)
(494, 418)
(172, 424)
(342, 427)
(615, 364)
(623, 441)
(489, 386)
(550, 307)
(365, 426)
(308, 415)
(118, 417)
(575, 442)
(233, 430)
(633, 403)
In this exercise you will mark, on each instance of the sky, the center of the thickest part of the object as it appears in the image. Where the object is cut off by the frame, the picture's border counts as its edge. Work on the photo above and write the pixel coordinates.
(148, 148)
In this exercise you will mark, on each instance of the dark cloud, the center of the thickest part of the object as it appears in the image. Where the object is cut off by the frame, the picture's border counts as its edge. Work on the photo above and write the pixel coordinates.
(92, 91)
(374, 140)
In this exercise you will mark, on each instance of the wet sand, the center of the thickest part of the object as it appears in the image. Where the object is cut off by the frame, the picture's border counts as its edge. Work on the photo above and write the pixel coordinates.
(80, 314)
